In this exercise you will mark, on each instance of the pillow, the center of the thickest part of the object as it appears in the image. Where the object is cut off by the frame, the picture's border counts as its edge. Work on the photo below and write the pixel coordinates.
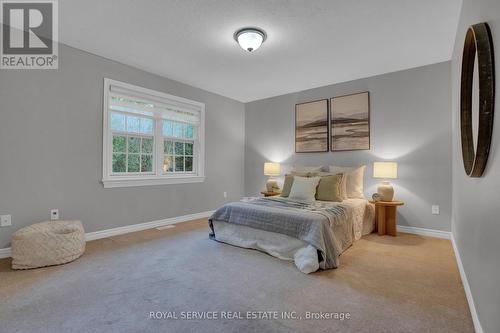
(354, 180)
(304, 188)
(329, 188)
(306, 169)
(304, 174)
(345, 171)
(343, 187)
(343, 191)
(287, 186)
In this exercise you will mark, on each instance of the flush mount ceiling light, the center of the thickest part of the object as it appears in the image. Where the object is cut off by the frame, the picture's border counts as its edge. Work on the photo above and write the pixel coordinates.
(250, 39)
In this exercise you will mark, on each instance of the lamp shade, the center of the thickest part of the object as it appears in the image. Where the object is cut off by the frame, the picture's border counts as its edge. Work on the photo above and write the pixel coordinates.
(271, 169)
(387, 170)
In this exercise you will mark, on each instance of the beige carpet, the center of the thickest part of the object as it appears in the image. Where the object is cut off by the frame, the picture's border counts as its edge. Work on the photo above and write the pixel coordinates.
(404, 284)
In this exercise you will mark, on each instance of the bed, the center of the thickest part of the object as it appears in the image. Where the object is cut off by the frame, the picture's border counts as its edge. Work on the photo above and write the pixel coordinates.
(311, 234)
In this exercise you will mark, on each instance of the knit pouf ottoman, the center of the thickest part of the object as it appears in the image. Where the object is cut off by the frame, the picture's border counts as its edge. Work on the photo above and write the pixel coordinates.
(47, 243)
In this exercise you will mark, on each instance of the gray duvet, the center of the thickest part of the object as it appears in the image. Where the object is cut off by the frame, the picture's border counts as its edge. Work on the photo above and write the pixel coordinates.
(324, 225)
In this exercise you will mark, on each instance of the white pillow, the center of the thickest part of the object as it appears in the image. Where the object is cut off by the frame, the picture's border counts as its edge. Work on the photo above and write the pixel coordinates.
(304, 188)
(306, 169)
(354, 180)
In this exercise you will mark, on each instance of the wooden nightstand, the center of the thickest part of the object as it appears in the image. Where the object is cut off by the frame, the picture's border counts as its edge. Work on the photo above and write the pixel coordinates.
(386, 216)
(270, 194)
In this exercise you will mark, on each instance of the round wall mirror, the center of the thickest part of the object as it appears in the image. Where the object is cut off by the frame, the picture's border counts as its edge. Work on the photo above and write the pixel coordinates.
(477, 98)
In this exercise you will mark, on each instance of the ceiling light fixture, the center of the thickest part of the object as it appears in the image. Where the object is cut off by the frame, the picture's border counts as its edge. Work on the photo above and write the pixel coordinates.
(250, 39)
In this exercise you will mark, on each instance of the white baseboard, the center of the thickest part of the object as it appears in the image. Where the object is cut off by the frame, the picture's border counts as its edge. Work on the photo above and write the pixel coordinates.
(89, 236)
(468, 293)
(143, 226)
(5, 253)
(424, 232)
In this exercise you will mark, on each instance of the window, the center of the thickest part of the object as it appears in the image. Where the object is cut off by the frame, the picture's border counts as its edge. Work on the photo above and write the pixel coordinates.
(150, 137)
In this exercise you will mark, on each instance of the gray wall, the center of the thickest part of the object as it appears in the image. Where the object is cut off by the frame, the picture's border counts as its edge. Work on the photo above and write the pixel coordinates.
(410, 123)
(476, 221)
(51, 148)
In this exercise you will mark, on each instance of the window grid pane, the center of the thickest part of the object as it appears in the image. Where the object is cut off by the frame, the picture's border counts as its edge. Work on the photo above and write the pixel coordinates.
(168, 163)
(189, 148)
(168, 128)
(146, 126)
(179, 163)
(134, 145)
(168, 147)
(146, 163)
(133, 162)
(189, 131)
(117, 122)
(119, 162)
(179, 148)
(179, 130)
(188, 163)
(147, 146)
(119, 143)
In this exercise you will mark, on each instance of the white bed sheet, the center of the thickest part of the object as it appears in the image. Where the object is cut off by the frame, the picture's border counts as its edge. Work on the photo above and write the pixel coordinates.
(285, 247)
(363, 215)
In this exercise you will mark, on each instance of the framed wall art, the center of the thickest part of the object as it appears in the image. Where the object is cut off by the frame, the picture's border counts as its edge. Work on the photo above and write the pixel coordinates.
(311, 127)
(350, 122)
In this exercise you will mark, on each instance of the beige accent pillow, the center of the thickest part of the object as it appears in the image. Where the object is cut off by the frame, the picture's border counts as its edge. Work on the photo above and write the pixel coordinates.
(329, 188)
(354, 180)
(343, 191)
(287, 186)
(304, 188)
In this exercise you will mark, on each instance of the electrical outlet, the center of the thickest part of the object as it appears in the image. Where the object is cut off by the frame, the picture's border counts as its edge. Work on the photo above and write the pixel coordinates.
(225, 195)
(5, 221)
(54, 214)
(435, 209)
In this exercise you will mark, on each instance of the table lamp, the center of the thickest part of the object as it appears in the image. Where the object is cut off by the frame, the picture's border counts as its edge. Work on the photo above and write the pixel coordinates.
(385, 170)
(272, 169)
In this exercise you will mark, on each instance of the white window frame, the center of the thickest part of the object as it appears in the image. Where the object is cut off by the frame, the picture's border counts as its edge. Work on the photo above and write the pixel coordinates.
(157, 177)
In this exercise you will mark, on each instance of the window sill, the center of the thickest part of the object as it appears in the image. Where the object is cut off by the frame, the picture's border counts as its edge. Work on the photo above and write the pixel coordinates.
(132, 182)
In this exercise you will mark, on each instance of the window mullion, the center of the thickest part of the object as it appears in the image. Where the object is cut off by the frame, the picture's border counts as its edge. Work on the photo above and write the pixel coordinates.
(196, 145)
(157, 146)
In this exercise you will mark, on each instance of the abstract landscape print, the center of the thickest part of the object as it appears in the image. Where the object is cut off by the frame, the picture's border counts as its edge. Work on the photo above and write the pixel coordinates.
(311, 127)
(350, 122)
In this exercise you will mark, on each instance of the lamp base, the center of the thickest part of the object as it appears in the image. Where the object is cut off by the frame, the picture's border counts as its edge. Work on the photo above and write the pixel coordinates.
(386, 191)
(272, 185)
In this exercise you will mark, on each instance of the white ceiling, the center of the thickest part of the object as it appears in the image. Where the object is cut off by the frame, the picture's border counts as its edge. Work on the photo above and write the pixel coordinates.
(310, 43)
